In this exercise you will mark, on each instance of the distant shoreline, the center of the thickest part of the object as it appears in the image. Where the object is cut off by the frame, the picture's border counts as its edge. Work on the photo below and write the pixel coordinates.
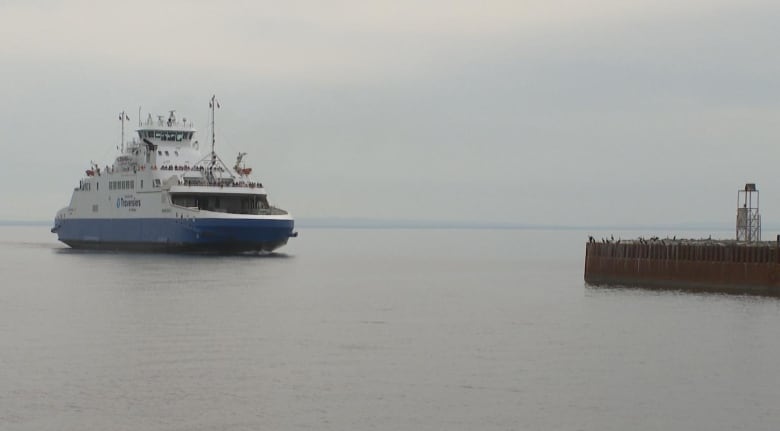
(327, 223)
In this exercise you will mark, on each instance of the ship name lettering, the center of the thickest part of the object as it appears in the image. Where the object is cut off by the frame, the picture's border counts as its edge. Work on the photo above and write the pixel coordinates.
(128, 203)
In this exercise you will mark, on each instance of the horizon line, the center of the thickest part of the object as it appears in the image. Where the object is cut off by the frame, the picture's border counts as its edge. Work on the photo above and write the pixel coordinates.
(371, 223)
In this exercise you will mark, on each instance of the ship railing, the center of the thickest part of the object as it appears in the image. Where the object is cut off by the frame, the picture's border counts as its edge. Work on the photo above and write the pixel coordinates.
(250, 211)
(260, 211)
(226, 183)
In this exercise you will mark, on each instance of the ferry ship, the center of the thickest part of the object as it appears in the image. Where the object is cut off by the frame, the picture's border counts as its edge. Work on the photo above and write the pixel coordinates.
(162, 194)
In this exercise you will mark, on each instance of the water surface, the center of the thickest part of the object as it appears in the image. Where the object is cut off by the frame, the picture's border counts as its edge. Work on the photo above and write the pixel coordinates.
(371, 329)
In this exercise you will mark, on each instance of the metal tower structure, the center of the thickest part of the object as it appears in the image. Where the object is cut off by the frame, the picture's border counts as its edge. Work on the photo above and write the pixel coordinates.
(748, 218)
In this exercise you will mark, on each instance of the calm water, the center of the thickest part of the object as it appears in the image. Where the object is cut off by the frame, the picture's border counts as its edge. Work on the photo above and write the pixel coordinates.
(371, 330)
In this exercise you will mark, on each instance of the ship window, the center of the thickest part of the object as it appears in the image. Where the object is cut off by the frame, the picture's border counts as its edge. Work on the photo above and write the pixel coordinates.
(176, 152)
(159, 153)
(132, 184)
(166, 153)
(179, 136)
(142, 184)
(97, 186)
(157, 134)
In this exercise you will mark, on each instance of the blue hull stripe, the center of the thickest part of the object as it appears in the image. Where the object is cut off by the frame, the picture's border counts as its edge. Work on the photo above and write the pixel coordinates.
(220, 233)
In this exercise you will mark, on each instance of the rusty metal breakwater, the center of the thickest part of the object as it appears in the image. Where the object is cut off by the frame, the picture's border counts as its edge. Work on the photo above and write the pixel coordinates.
(688, 264)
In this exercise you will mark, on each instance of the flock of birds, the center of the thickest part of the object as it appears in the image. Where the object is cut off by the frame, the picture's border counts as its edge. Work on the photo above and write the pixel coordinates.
(642, 240)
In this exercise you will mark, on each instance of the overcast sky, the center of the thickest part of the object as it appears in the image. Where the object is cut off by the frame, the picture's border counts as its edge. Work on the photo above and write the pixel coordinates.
(549, 112)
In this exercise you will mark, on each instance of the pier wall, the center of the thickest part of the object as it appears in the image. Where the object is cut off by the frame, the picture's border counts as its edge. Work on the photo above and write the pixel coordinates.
(719, 266)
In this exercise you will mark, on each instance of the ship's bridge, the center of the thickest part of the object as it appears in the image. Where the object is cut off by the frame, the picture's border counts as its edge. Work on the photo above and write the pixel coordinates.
(166, 131)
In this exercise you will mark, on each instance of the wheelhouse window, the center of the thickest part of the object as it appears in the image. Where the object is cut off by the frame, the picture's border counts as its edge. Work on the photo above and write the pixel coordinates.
(166, 135)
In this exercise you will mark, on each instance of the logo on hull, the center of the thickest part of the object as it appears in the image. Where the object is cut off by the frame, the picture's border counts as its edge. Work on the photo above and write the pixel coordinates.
(128, 203)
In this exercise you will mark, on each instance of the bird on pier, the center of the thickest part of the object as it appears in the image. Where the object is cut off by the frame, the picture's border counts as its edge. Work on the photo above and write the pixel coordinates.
(590, 239)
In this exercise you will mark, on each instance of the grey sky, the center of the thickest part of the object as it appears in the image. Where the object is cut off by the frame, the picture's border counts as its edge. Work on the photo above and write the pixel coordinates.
(554, 112)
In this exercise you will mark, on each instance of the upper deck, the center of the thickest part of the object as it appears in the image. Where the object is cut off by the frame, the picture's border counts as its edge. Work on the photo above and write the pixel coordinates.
(164, 149)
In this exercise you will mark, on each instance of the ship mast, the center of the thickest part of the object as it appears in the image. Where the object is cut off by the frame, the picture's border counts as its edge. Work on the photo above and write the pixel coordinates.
(122, 117)
(213, 104)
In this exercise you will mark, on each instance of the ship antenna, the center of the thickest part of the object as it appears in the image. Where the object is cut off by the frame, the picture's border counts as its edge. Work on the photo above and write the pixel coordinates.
(213, 104)
(122, 117)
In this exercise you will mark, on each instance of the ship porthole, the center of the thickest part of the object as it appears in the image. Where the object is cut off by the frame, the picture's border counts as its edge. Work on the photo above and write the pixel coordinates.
(195, 145)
